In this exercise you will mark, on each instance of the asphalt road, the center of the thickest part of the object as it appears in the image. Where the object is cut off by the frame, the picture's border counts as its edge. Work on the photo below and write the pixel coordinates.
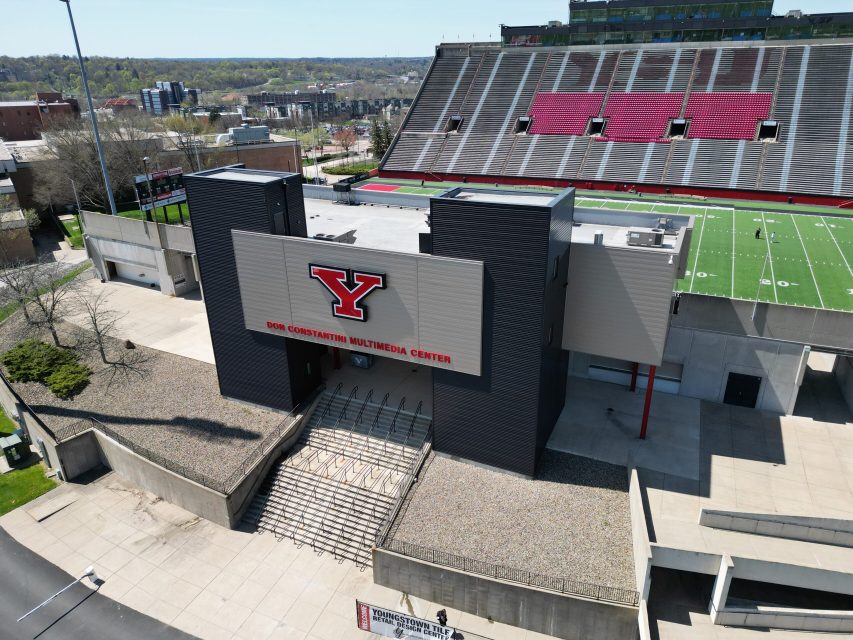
(26, 579)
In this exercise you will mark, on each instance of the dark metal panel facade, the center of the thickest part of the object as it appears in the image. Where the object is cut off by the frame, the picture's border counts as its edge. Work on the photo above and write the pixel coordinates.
(250, 367)
(494, 419)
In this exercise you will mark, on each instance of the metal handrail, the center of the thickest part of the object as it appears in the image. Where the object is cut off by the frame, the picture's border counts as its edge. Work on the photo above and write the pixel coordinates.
(403, 485)
(400, 407)
(343, 413)
(360, 416)
(412, 423)
(331, 398)
(392, 428)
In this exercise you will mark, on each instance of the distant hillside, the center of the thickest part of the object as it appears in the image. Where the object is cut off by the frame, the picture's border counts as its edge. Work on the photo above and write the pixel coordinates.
(112, 77)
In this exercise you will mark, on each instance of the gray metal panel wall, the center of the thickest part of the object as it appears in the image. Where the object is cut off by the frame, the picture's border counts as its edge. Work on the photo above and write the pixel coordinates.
(555, 361)
(250, 366)
(618, 302)
(494, 418)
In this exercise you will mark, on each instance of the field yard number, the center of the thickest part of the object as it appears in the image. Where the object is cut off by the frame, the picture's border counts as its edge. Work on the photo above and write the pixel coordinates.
(820, 224)
(782, 283)
(760, 220)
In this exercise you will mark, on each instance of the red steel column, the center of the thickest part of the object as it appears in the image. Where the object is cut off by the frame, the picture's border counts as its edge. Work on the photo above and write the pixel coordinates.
(635, 367)
(648, 405)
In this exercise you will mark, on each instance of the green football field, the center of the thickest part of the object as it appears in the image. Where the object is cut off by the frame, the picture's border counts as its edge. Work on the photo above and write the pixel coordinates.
(800, 259)
(807, 261)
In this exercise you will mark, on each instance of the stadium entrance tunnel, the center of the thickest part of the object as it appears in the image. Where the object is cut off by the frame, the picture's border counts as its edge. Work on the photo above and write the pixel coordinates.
(404, 382)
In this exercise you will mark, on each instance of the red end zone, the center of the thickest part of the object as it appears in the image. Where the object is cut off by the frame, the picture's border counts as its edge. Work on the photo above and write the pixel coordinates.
(379, 187)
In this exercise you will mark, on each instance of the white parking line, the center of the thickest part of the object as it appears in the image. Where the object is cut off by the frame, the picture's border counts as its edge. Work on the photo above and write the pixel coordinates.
(698, 248)
(808, 261)
(832, 235)
(769, 258)
(733, 254)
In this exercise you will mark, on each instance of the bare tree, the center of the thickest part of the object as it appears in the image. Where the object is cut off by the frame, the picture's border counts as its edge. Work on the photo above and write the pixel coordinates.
(100, 322)
(41, 291)
(71, 155)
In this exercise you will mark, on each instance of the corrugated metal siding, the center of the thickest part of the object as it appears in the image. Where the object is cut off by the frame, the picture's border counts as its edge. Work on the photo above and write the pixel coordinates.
(493, 419)
(250, 366)
(429, 302)
(618, 302)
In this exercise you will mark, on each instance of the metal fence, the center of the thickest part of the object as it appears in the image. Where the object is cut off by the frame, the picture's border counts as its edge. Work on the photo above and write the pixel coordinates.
(225, 486)
(500, 572)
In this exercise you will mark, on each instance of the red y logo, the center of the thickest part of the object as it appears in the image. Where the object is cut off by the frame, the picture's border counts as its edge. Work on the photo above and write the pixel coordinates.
(349, 287)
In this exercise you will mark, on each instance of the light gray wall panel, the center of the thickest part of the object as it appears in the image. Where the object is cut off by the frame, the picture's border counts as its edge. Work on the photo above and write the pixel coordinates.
(618, 302)
(429, 303)
(264, 298)
(444, 293)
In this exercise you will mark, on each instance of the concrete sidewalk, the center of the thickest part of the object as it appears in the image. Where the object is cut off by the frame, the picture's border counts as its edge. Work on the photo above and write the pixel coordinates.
(172, 324)
(209, 581)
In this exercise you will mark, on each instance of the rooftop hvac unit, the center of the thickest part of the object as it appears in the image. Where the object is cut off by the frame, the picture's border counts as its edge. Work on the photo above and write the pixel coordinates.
(645, 237)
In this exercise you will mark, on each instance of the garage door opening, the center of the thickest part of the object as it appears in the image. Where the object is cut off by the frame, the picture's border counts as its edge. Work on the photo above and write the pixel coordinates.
(742, 390)
(133, 274)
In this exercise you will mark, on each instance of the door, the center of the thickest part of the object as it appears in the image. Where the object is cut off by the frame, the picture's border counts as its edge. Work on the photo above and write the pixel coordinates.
(742, 390)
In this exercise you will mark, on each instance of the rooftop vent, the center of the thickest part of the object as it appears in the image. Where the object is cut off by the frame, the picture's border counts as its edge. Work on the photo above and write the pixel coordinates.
(453, 124)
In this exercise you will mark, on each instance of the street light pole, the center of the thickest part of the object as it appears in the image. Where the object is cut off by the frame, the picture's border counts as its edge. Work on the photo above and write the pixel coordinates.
(94, 120)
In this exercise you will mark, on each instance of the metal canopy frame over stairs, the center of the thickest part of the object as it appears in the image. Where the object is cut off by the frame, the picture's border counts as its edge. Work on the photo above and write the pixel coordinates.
(343, 483)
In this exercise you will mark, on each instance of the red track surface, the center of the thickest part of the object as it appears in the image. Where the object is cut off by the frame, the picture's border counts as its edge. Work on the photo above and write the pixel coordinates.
(379, 187)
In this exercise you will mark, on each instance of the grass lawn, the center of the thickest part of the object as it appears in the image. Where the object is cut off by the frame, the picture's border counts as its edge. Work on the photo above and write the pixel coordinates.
(168, 214)
(73, 232)
(22, 485)
(7, 425)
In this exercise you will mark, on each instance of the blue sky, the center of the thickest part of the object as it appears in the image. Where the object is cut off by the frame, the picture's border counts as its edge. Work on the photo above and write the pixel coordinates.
(276, 28)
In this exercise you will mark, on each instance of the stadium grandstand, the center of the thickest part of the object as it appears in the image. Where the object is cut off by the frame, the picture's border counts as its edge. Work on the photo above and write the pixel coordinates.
(758, 120)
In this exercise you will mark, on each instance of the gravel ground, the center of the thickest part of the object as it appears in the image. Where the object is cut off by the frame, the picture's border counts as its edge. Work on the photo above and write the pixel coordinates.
(572, 521)
(175, 411)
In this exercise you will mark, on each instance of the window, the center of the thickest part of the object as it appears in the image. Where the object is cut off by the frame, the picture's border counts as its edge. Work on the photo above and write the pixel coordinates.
(768, 131)
(596, 126)
(678, 128)
(523, 124)
(453, 124)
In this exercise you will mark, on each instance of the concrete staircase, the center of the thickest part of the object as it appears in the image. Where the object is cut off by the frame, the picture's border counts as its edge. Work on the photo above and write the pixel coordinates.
(343, 482)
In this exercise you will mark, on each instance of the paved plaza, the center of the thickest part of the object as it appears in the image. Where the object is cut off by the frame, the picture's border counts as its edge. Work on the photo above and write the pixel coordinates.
(210, 581)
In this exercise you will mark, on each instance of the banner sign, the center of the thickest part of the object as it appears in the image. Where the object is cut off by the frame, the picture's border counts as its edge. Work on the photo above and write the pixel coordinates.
(167, 185)
(393, 624)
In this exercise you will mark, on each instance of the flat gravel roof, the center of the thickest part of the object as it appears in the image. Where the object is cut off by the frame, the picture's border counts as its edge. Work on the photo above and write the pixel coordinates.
(571, 521)
(175, 411)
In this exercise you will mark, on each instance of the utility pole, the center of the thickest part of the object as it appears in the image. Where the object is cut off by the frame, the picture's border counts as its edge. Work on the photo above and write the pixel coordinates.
(92, 117)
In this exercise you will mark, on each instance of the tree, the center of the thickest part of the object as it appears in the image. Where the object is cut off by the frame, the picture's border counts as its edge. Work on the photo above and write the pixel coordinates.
(380, 137)
(186, 132)
(345, 138)
(100, 323)
(213, 116)
(71, 154)
(41, 292)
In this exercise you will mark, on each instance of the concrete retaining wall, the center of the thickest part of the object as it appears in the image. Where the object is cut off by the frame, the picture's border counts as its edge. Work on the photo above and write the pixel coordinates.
(792, 619)
(40, 436)
(822, 530)
(241, 496)
(542, 611)
(640, 536)
(170, 486)
(708, 358)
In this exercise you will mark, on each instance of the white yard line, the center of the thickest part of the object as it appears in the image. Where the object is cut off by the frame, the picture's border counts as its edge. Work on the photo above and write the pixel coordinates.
(733, 254)
(808, 261)
(832, 235)
(769, 258)
(698, 248)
